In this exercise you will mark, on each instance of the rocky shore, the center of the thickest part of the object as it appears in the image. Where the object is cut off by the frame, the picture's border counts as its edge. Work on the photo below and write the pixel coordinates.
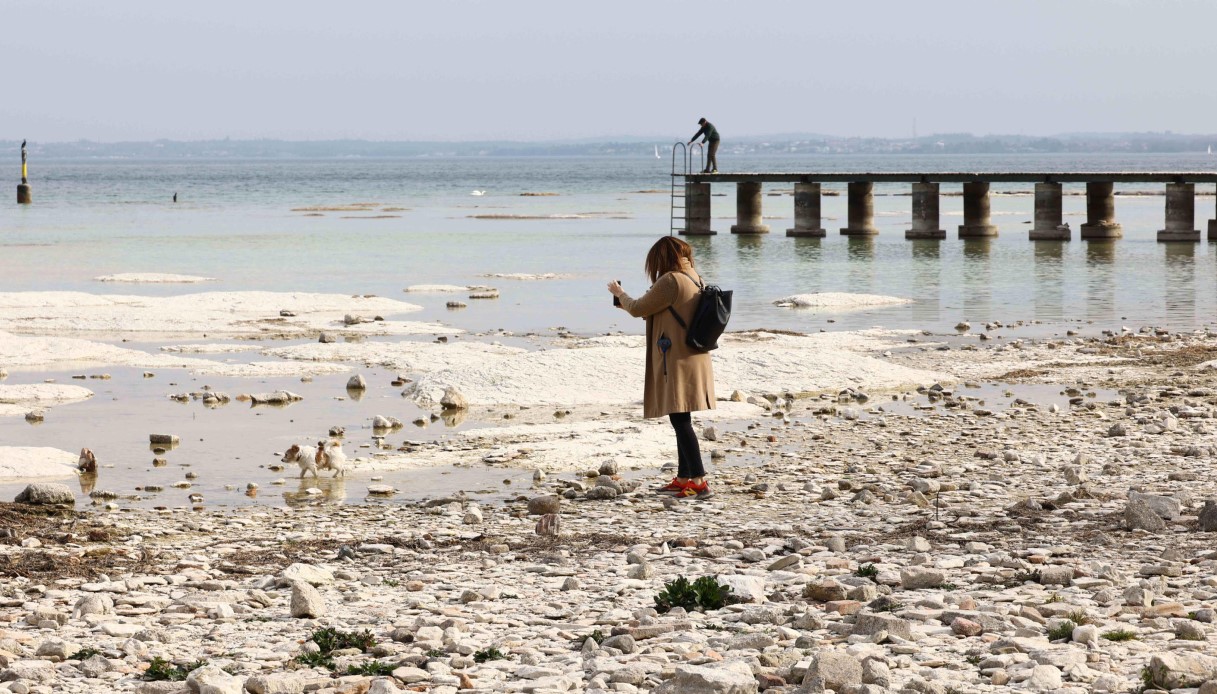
(930, 540)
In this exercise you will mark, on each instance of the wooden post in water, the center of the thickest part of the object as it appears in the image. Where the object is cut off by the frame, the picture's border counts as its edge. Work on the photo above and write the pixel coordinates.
(23, 189)
(748, 209)
(807, 211)
(1101, 213)
(1048, 214)
(925, 213)
(1213, 228)
(697, 210)
(976, 211)
(861, 220)
(1180, 213)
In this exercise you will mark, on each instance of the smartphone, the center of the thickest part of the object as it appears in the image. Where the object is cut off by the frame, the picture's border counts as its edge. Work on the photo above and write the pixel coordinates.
(616, 301)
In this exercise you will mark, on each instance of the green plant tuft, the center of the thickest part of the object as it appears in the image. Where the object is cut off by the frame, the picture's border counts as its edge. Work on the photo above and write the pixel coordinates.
(330, 640)
(84, 654)
(706, 593)
(1120, 635)
(161, 669)
(867, 571)
(488, 654)
(1079, 617)
(436, 653)
(316, 660)
(1064, 630)
(1054, 598)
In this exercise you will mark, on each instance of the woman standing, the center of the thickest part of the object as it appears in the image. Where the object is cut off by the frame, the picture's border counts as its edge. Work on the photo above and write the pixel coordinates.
(679, 380)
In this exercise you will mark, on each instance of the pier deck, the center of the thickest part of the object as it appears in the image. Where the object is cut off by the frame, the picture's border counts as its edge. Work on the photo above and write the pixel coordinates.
(1180, 213)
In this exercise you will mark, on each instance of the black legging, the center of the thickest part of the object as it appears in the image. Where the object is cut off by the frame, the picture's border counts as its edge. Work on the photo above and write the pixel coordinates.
(687, 446)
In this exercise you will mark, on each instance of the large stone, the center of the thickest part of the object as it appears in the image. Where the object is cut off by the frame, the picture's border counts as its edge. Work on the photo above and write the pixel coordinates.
(211, 679)
(1179, 670)
(1044, 678)
(307, 573)
(1056, 575)
(733, 677)
(915, 578)
(46, 493)
(453, 399)
(541, 505)
(832, 670)
(306, 601)
(747, 588)
(1139, 516)
(33, 670)
(1167, 507)
(869, 624)
(93, 604)
(1208, 516)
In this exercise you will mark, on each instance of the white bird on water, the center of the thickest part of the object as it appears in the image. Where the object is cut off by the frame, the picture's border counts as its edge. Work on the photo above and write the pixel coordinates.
(478, 192)
(657, 152)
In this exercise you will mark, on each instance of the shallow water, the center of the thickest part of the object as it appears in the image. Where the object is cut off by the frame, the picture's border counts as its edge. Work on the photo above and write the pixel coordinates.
(236, 223)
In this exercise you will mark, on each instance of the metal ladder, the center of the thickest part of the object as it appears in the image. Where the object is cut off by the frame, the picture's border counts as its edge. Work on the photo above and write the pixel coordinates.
(681, 168)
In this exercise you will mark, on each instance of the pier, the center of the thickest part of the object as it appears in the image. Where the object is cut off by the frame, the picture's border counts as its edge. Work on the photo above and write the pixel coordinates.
(691, 195)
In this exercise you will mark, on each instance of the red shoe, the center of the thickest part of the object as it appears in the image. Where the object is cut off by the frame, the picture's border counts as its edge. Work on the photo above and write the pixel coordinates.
(673, 487)
(693, 489)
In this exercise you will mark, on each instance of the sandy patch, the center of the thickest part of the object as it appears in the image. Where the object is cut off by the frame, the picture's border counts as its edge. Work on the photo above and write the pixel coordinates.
(608, 371)
(213, 348)
(839, 301)
(524, 276)
(61, 353)
(153, 278)
(225, 314)
(40, 395)
(559, 446)
(404, 357)
(436, 289)
(29, 463)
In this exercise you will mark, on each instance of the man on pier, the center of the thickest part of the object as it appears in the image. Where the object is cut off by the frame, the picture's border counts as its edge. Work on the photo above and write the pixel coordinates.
(711, 136)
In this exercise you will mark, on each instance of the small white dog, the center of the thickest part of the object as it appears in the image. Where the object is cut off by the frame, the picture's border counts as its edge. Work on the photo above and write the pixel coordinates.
(304, 456)
(330, 456)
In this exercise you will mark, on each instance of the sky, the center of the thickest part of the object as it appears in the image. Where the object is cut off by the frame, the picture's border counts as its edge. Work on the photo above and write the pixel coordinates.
(538, 71)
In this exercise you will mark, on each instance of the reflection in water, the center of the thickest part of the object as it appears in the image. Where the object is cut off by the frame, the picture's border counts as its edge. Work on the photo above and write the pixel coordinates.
(810, 255)
(703, 253)
(1100, 280)
(454, 418)
(88, 481)
(1181, 282)
(861, 253)
(748, 255)
(977, 280)
(927, 275)
(357, 394)
(333, 491)
(1049, 286)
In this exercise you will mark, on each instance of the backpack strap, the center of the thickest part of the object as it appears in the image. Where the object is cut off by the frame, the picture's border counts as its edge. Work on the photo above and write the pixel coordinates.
(700, 286)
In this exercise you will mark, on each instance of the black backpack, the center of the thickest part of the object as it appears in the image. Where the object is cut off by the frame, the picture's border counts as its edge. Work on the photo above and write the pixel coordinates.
(709, 318)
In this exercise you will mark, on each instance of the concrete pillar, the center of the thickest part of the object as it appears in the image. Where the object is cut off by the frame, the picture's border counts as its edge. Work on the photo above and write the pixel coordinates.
(861, 210)
(1213, 230)
(697, 210)
(925, 213)
(1048, 215)
(748, 209)
(1180, 213)
(976, 211)
(1101, 213)
(807, 211)
(23, 194)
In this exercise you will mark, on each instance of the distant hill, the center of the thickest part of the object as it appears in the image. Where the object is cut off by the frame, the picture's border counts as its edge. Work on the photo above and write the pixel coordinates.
(942, 143)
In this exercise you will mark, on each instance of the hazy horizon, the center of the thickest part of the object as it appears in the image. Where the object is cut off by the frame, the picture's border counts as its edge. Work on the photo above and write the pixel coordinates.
(551, 71)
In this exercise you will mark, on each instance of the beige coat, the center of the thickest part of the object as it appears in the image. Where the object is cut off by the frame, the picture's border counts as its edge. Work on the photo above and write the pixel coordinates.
(688, 383)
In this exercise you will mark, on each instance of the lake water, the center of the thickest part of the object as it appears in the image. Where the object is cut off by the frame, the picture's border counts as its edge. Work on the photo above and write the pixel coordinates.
(243, 223)
(235, 221)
